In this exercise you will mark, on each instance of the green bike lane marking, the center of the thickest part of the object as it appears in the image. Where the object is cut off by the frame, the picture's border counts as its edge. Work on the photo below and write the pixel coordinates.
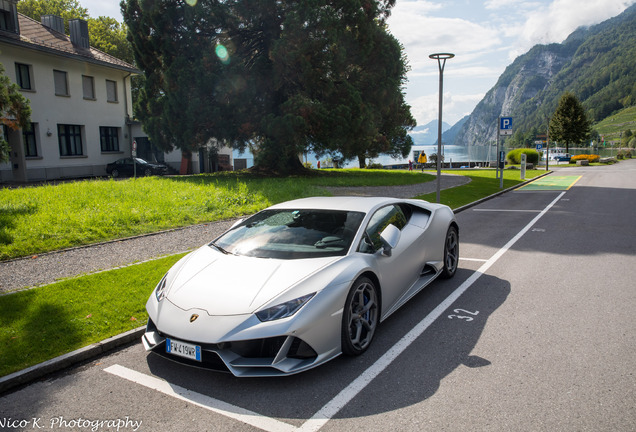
(551, 183)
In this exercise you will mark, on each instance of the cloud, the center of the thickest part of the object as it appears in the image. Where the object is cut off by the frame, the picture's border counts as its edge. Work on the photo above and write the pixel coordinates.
(554, 22)
(423, 34)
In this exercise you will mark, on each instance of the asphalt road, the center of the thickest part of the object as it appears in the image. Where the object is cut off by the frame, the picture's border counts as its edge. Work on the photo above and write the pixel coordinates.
(536, 332)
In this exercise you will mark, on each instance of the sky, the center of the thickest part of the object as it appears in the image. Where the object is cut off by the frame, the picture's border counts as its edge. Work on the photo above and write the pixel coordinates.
(485, 36)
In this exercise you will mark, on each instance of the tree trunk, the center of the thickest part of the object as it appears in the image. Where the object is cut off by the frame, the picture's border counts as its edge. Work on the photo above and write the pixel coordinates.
(186, 162)
(362, 161)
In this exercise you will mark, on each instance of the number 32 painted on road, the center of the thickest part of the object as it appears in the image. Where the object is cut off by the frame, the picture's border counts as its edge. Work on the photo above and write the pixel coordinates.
(463, 317)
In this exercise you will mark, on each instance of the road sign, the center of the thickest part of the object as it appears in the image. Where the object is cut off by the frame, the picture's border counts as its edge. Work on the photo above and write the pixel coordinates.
(134, 148)
(505, 125)
(539, 147)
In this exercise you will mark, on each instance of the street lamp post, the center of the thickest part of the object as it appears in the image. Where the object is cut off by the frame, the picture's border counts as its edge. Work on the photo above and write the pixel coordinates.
(441, 62)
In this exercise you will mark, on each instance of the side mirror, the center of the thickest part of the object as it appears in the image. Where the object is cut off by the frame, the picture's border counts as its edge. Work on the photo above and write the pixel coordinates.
(390, 237)
(236, 223)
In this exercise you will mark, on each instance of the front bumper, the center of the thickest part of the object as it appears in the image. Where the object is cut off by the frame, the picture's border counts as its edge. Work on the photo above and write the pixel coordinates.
(274, 356)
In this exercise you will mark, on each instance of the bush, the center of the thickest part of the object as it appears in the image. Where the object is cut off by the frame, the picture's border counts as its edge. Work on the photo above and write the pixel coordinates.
(375, 165)
(514, 156)
(628, 154)
(588, 157)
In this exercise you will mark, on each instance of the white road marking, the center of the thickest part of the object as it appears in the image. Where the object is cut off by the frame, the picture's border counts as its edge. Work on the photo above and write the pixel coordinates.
(508, 210)
(207, 402)
(327, 412)
(331, 408)
(473, 259)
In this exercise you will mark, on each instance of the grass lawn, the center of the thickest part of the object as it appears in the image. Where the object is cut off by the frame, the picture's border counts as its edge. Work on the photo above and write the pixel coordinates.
(45, 322)
(42, 323)
(45, 218)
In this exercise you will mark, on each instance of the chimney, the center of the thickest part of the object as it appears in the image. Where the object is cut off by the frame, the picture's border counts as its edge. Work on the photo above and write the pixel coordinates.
(79, 32)
(53, 22)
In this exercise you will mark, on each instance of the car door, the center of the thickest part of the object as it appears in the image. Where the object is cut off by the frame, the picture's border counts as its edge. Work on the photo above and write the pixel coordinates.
(399, 271)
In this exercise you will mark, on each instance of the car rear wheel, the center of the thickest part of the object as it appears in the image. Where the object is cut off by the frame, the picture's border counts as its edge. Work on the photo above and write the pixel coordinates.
(360, 317)
(451, 253)
(115, 173)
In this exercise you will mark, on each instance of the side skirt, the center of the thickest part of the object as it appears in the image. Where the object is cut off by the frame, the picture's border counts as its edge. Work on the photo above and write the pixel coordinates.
(428, 275)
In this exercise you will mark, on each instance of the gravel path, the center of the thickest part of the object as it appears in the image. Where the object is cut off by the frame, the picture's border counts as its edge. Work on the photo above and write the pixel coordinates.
(49, 267)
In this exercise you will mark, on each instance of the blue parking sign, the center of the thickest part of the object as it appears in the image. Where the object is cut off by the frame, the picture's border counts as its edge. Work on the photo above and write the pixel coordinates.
(505, 125)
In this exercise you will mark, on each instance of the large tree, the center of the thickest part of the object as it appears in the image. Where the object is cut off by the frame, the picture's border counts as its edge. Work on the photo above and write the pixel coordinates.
(569, 123)
(14, 110)
(183, 100)
(287, 76)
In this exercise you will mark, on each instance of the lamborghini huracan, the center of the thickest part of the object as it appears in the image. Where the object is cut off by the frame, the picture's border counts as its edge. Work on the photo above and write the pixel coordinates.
(299, 283)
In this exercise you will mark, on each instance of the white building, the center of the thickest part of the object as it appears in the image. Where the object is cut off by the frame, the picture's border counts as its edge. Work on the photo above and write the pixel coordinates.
(81, 104)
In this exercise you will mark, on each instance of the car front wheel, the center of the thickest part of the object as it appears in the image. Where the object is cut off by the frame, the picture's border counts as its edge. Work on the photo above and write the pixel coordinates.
(451, 253)
(360, 317)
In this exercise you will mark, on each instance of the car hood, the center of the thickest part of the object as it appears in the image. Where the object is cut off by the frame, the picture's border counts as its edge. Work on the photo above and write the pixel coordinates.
(232, 285)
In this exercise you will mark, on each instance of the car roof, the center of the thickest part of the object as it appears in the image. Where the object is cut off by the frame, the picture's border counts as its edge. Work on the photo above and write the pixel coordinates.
(346, 203)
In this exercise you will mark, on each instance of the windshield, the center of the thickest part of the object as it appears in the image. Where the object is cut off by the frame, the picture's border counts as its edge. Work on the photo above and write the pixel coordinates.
(292, 234)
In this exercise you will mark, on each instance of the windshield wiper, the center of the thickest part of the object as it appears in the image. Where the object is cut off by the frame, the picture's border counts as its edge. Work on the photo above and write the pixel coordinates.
(220, 249)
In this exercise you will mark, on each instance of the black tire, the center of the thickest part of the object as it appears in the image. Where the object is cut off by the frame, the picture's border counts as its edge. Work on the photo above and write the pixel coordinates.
(451, 253)
(360, 317)
(115, 173)
(147, 172)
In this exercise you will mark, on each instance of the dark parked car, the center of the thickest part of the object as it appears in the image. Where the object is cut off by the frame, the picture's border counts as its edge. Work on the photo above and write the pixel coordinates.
(124, 167)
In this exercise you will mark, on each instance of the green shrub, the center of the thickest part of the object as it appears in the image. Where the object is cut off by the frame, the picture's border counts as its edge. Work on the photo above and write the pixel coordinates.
(514, 156)
(375, 166)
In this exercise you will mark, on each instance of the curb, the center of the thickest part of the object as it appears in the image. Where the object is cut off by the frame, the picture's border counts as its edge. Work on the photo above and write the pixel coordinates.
(56, 364)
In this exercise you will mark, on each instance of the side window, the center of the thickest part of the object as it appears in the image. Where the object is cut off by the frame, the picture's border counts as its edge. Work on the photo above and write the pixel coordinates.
(392, 214)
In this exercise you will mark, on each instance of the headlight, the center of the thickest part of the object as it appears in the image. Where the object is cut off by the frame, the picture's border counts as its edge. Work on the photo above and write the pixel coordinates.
(161, 288)
(283, 310)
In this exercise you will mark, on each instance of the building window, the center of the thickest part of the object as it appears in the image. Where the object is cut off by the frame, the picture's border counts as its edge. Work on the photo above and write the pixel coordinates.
(111, 91)
(23, 76)
(70, 139)
(109, 138)
(88, 86)
(61, 83)
(30, 144)
(8, 16)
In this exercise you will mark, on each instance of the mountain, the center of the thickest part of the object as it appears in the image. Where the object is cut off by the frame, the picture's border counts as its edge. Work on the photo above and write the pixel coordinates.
(427, 134)
(597, 64)
(449, 135)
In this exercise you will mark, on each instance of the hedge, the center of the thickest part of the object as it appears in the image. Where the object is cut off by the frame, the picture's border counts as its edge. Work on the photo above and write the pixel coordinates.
(514, 156)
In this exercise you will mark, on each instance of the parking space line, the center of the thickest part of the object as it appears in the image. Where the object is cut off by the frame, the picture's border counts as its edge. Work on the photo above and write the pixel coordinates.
(473, 259)
(507, 210)
(201, 400)
(332, 407)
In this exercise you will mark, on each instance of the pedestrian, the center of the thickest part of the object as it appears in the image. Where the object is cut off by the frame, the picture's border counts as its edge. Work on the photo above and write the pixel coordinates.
(410, 165)
(422, 160)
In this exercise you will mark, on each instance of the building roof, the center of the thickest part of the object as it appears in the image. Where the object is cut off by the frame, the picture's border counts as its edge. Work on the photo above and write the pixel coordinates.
(39, 37)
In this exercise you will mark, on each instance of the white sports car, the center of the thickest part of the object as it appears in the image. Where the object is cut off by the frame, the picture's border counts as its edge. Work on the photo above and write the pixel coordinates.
(299, 283)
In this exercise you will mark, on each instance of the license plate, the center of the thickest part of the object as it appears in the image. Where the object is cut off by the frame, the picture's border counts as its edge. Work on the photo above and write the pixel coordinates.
(183, 349)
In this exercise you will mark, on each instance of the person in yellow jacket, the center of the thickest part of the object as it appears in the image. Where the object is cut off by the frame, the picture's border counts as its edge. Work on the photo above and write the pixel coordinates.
(422, 160)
